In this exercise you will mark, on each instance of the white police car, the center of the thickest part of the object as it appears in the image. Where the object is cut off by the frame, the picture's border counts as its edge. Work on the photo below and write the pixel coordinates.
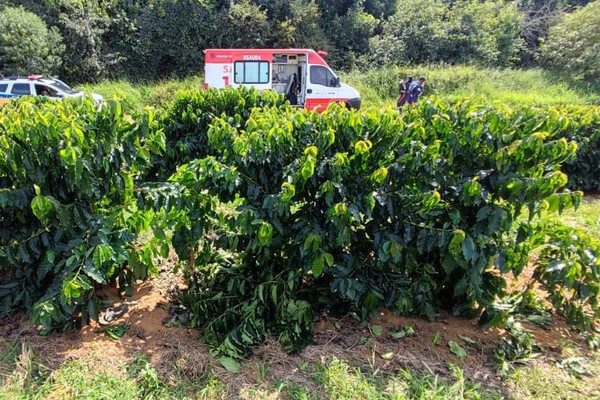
(38, 85)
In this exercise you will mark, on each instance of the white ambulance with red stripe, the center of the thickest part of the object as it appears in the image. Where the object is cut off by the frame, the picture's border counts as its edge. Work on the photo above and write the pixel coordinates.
(301, 75)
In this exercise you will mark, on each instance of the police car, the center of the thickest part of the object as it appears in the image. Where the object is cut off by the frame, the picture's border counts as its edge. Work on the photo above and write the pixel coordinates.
(38, 85)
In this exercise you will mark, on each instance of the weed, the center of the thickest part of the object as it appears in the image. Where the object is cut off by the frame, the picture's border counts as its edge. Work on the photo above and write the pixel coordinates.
(213, 388)
(518, 345)
(146, 377)
(343, 382)
(296, 391)
(263, 371)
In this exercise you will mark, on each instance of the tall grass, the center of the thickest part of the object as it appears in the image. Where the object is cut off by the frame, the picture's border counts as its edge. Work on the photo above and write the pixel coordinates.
(379, 87)
(137, 95)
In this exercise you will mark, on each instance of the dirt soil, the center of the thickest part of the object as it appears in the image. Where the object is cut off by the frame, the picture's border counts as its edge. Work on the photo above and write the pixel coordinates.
(360, 344)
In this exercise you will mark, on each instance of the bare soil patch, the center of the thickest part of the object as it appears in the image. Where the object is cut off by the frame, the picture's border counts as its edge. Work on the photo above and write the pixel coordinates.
(360, 344)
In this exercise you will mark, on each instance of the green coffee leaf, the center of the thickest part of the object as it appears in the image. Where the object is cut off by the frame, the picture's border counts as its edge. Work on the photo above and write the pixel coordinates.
(467, 339)
(457, 350)
(397, 334)
(377, 330)
(436, 338)
(265, 233)
(230, 364)
(41, 207)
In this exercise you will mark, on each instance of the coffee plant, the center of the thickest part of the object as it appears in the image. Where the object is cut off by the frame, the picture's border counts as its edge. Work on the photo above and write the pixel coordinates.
(346, 210)
(568, 268)
(279, 214)
(577, 124)
(68, 209)
(186, 122)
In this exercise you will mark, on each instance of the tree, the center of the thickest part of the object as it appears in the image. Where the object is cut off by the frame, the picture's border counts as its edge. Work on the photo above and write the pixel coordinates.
(463, 31)
(83, 24)
(413, 34)
(171, 35)
(294, 23)
(247, 25)
(27, 45)
(350, 35)
(97, 34)
(573, 45)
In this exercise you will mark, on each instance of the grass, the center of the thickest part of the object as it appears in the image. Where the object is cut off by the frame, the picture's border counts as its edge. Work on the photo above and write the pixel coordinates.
(586, 217)
(555, 381)
(379, 87)
(340, 381)
(138, 95)
(517, 87)
(92, 378)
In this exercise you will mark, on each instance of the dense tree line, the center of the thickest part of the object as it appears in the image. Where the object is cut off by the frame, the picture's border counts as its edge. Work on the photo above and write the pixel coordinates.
(88, 40)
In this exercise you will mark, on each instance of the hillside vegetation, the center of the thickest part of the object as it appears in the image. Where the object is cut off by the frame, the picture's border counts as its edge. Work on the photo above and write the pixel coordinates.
(379, 87)
(90, 40)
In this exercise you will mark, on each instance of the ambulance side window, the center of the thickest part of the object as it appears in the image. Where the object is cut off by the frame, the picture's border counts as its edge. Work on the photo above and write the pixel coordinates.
(251, 72)
(3, 87)
(320, 75)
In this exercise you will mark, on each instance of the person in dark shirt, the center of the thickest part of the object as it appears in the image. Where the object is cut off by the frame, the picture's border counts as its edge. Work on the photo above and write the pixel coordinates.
(403, 87)
(415, 90)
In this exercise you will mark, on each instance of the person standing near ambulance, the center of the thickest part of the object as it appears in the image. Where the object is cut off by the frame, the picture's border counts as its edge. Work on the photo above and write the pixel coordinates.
(415, 90)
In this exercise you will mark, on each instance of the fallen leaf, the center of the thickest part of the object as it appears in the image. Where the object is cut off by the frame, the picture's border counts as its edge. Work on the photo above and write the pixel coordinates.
(397, 335)
(457, 350)
(230, 364)
(377, 330)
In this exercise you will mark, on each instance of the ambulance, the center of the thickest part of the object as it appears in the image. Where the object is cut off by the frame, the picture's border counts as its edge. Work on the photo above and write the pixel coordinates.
(301, 75)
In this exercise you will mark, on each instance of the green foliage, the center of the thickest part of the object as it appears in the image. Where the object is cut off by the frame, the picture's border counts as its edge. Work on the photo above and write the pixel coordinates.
(172, 35)
(68, 205)
(27, 45)
(83, 25)
(568, 267)
(453, 32)
(364, 210)
(295, 23)
(572, 47)
(582, 125)
(518, 345)
(157, 39)
(247, 26)
(187, 120)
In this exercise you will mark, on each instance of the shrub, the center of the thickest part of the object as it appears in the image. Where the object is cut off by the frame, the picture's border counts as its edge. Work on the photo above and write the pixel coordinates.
(347, 210)
(27, 45)
(68, 205)
(573, 45)
(187, 120)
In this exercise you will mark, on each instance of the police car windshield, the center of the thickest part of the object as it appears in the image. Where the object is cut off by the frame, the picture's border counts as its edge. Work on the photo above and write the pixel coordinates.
(61, 86)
